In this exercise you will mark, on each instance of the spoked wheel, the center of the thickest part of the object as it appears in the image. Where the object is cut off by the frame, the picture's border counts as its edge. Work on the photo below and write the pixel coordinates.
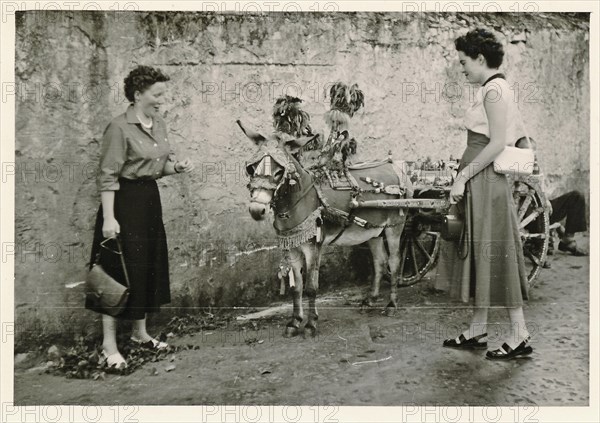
(419, 250)
(534, 226)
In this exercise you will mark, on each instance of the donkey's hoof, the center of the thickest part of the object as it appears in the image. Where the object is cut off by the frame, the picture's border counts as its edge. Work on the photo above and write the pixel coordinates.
(390, 309)
(291, 331)
(310, 330)
(368, 303)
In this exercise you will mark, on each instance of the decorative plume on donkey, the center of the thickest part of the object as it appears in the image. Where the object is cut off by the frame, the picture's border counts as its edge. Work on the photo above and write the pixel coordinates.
(345, 101)
(289, 118)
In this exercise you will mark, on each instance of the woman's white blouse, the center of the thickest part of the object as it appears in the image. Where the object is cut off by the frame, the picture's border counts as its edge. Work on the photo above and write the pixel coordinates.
(476, 117)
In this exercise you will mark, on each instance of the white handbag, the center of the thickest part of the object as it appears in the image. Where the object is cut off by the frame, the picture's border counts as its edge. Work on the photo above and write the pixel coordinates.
(515, 161)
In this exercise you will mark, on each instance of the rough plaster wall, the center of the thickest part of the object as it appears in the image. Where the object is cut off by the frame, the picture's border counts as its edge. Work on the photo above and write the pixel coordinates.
(225, 67)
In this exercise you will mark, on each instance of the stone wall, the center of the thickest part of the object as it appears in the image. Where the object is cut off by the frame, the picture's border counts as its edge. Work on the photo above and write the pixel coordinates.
(70, 69)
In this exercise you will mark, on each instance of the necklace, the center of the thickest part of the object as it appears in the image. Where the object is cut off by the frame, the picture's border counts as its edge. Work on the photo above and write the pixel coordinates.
(145, 125)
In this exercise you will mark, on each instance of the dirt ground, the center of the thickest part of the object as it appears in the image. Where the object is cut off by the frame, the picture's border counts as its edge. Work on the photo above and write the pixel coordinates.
(361, 358)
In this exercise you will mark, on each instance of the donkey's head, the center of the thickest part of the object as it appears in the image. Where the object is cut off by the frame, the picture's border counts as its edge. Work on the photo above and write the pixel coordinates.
(272, 169)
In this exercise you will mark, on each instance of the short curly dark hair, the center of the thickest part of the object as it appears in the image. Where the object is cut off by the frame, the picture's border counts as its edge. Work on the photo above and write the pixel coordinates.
(142, 78)
(481, 41)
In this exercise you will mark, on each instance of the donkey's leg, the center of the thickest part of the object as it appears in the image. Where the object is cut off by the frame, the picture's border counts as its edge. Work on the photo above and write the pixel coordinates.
(392, 236)
(296, 261)
(379, 261)
(312, 254)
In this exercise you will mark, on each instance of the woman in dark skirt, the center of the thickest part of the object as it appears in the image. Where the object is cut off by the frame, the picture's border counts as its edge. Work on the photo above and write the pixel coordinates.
(135, 152)
(487, 267)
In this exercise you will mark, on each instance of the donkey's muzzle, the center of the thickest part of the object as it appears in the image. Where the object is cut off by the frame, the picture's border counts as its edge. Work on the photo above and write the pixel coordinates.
(257, 210)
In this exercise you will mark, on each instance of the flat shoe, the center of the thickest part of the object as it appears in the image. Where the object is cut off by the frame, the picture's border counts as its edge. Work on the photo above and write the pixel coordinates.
(115, 360)
(467, 344)
(152, 344)
(572, 248)
(505, 352)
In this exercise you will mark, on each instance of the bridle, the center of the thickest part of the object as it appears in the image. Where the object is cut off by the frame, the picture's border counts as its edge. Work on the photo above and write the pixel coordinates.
(260, 169)
(262, 177)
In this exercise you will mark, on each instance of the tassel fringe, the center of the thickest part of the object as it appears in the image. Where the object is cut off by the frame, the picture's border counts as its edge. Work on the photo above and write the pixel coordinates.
(302, 233)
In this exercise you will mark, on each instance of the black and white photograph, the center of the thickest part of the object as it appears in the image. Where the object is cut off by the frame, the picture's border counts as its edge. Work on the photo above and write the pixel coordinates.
(299, 211)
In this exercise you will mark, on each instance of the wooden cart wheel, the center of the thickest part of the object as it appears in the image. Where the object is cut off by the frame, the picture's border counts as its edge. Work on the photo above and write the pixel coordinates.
(419, 250)
(534, 225)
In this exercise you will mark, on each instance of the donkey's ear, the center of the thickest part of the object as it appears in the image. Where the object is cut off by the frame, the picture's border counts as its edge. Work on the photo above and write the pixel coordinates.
(254, 136)
(297, 143)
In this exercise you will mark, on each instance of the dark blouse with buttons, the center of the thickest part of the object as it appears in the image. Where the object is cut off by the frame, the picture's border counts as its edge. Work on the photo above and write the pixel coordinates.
(128, 151)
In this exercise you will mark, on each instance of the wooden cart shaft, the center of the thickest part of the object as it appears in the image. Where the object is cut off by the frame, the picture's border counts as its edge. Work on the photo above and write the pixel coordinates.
(411, 203)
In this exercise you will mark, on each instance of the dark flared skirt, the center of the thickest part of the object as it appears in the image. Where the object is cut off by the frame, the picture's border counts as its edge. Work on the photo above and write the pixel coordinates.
(487, 266)
(138, 210)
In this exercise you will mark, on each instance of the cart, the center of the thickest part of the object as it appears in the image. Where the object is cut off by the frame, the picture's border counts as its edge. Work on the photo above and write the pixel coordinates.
(420, 245)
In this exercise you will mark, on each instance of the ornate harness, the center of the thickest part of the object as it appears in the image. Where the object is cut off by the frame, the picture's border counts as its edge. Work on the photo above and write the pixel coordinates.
(261, 172)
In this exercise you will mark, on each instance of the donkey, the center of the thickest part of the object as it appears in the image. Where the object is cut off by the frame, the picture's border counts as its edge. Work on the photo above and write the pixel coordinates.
(300, 202)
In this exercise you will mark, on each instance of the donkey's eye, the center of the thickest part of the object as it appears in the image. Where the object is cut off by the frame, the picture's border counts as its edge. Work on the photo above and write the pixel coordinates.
(278, 173)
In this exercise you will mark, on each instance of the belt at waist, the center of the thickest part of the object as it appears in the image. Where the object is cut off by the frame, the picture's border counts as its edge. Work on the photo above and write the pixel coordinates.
(475, 143)
(137, 181)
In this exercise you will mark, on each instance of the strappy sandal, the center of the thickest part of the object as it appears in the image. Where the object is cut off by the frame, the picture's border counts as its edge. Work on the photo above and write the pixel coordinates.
(467, 344)
(505, 352)
(115, 360)
(152, 344)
